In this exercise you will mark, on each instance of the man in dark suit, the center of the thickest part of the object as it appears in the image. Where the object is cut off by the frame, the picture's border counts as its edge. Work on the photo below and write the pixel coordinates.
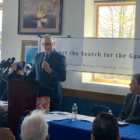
(131, 108)
(50, 69)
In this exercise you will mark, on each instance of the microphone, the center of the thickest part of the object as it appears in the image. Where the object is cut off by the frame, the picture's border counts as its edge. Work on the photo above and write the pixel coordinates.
(46, 55)
(11, 61)
(20, 66)
(28, 66)
(1, 65)
(4, 64)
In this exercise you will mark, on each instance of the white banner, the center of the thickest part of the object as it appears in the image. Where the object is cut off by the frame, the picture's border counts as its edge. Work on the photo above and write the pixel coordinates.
(112, 56)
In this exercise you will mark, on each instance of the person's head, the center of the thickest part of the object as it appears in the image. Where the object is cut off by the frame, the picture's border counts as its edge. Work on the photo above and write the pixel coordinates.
(14, 67)
(105, 127)
(34, 127)
(135, 84)
(48, 43)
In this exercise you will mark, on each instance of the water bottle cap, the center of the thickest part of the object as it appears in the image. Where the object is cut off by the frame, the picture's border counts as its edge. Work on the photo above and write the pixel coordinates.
(74, 103)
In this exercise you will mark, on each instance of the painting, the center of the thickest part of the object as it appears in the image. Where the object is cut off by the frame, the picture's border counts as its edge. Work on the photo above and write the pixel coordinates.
(29, 50)
(40, 17)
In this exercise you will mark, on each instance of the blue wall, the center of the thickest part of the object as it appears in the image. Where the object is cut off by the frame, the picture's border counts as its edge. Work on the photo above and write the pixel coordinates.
(84, 105)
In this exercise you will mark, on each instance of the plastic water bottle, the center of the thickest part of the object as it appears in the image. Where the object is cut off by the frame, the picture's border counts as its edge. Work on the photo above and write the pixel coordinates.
(110, 112)
(74, 112)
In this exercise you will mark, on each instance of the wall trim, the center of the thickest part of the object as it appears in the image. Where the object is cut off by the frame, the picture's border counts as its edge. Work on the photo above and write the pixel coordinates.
(91, 95)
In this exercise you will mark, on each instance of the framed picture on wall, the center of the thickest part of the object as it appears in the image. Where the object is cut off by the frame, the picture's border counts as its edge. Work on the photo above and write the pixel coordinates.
(29, 50)
(40, 16)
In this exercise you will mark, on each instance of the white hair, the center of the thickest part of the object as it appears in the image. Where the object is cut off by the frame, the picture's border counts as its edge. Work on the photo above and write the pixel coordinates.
(34, 127)
(48, 36)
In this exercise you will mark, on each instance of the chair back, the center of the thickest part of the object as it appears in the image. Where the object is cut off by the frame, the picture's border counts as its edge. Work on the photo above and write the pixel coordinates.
(96, 109)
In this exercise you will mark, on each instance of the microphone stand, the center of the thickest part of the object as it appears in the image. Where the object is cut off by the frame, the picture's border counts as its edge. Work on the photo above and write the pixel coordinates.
(24, 74)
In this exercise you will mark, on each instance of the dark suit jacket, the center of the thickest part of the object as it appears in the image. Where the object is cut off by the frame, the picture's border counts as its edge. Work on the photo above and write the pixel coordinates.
(4, 96)
(2, 87)
(57, 63)
(127, 109)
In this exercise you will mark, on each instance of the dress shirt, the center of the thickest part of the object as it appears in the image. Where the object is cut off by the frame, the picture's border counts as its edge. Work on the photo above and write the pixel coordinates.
(49, 54)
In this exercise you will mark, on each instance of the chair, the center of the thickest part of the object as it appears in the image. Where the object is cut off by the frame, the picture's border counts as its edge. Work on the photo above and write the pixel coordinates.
(96, 109)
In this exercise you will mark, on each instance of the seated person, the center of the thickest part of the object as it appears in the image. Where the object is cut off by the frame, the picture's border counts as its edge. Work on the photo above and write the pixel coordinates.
(34, 127)
(6, 134)
(105, 127)
(3, 118)
(2, 86)
(131, 108)
(4, 96)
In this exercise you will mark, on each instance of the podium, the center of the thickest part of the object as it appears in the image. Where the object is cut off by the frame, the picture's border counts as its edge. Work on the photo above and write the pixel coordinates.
(21, 99)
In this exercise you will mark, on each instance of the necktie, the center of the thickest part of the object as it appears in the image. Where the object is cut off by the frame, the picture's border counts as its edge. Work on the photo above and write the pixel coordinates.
(134, 108)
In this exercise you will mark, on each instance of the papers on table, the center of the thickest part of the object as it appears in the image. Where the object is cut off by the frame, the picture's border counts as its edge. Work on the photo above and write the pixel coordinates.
(3, 105)
(79, 117)
(89, 119)
(56, 116)
(123, 123)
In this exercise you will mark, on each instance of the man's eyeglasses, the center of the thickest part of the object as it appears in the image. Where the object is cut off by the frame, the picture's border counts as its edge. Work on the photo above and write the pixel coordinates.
(47, 44)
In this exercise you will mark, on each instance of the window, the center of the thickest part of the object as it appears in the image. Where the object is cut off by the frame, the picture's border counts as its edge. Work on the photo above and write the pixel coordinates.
(114, 21)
